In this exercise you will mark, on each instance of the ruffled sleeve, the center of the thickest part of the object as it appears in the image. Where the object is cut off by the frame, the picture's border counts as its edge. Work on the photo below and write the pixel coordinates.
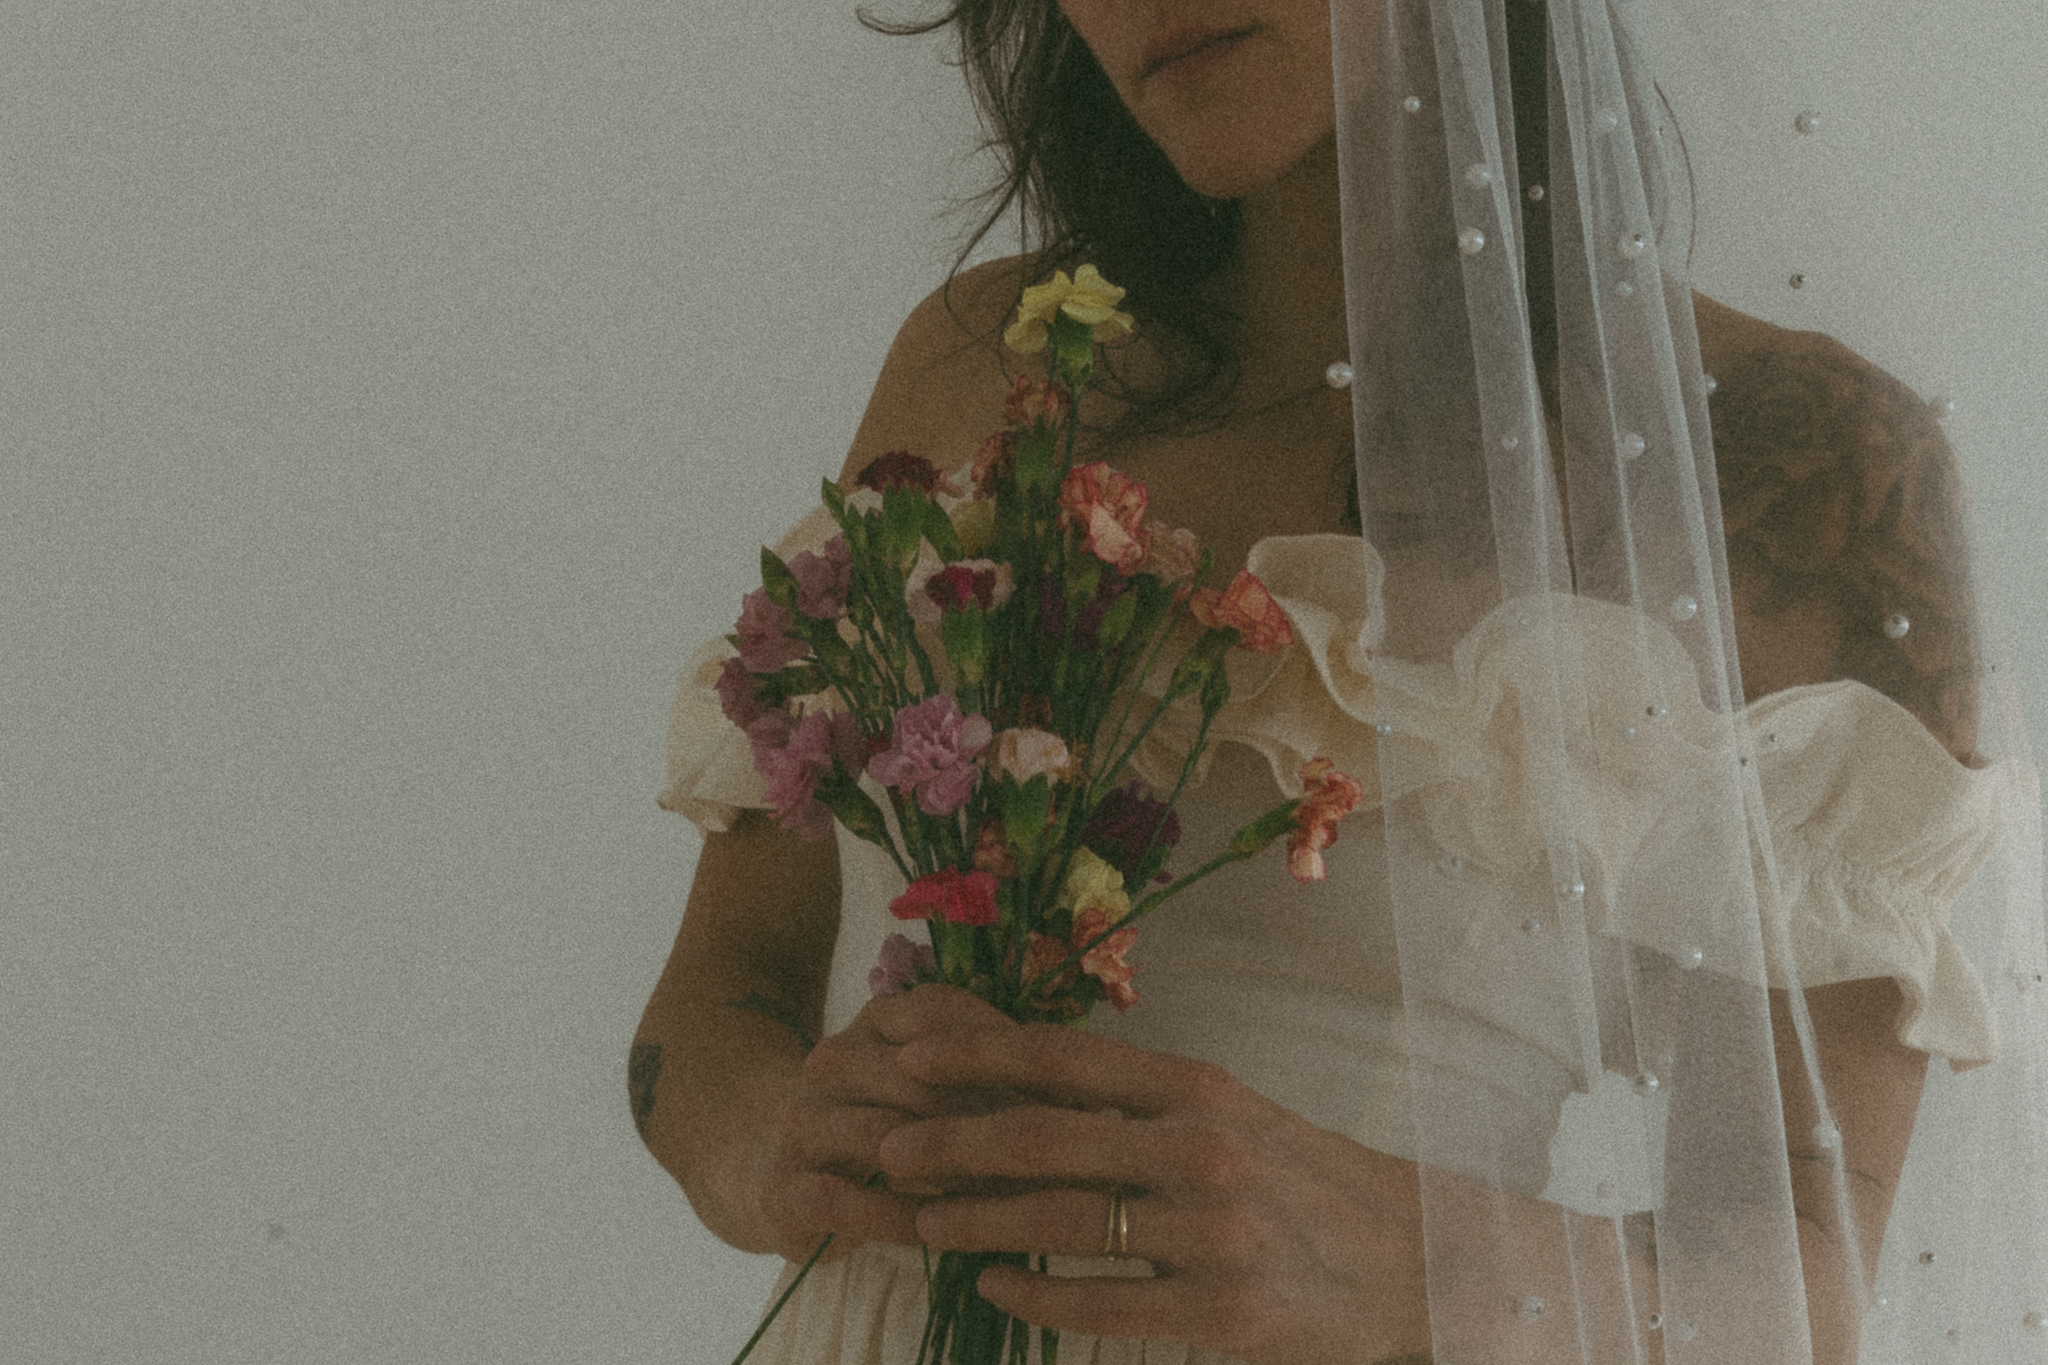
(1878, 831)
(1875, 828)
(711, 776)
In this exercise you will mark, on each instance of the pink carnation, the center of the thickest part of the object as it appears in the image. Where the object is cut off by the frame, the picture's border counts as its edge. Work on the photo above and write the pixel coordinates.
(768, 733)
(961, 897)
(1108, 507)
(933, 753)
(792, 770)
(823, 579)
(766, 646)
(902, 963)
(739, 694)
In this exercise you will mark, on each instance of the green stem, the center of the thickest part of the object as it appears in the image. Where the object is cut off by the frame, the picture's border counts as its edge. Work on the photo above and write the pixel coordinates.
(1108, 773)
(1137, 686)
(1138, 912)
(769, 1321)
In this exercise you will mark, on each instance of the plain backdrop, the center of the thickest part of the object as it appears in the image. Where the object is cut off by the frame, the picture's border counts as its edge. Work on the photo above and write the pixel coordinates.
(391, 395)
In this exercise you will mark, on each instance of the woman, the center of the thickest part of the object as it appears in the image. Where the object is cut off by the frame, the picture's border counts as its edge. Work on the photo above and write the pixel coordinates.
(1524, 1082)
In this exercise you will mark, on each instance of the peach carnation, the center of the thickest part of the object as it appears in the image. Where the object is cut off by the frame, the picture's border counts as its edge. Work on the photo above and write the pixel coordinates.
(1330, 797)
(1105, 961)
(1108, 507)
(1035, 402)
(1249, 608)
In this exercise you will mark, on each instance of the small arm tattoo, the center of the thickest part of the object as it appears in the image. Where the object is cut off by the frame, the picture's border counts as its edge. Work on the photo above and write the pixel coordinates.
(642, 1071)
(781, 1011)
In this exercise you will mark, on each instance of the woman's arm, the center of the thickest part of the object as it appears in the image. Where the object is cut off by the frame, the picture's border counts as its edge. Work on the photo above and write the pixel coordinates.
(721, 1046)
(728, 1084)
(1873, 1083)
(772, 1131)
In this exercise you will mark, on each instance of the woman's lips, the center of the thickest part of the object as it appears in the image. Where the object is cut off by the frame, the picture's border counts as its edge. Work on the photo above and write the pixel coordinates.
(1189, 51)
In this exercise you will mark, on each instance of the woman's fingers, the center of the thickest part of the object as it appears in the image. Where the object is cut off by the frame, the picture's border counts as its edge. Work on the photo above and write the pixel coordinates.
(907, 1015)
(1064, 1221)
(816, 1203)
(844, 1139)
(1063, 1067)
(1029, 1142)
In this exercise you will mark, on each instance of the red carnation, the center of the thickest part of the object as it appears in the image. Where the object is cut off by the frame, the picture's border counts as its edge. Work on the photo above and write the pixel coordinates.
(962, 897)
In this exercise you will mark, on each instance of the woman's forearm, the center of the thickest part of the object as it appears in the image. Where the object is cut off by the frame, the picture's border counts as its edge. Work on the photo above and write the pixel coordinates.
(719, 1049)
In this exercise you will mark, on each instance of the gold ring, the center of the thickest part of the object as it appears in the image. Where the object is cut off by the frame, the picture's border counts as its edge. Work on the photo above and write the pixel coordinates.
(1116, 1243)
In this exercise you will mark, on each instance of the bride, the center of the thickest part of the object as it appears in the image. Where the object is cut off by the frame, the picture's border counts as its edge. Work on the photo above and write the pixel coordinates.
(1609, 1038)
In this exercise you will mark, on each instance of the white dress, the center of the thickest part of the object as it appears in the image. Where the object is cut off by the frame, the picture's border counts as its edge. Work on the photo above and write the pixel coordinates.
(1297, 990)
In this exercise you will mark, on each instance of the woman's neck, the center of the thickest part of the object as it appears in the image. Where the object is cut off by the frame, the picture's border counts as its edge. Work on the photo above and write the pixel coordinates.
(1288, 284)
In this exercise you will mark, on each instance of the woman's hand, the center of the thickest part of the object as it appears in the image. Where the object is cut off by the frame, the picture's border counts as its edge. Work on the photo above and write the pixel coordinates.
(852, 1094)
(1274, 1240)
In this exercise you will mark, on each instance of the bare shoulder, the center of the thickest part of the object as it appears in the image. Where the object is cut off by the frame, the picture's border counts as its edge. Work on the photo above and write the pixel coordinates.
(943, 384)
(1843, 512)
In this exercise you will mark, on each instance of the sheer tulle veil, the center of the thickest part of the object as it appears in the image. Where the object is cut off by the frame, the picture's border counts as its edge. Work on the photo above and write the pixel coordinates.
(1793, 253)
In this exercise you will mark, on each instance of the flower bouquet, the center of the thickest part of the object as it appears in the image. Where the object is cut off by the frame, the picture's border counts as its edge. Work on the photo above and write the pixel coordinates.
(975, 651)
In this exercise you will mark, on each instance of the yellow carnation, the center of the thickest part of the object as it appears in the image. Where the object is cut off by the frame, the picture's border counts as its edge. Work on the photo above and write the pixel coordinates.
(1087, 298)
(975, 524)
(1093, 884)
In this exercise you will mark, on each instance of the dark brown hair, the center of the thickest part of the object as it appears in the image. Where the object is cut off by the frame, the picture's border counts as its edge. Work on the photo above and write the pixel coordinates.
(1089, 185)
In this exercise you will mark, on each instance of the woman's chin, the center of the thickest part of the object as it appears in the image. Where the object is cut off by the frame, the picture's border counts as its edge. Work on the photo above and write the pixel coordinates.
(1215, 178)
(1235, 167)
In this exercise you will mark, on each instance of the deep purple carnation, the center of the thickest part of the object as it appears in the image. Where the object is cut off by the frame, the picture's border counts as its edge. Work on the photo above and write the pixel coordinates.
(1120, 831)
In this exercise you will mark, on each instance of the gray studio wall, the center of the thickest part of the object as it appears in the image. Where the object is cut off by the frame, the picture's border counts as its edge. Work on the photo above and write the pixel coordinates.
(392, 394)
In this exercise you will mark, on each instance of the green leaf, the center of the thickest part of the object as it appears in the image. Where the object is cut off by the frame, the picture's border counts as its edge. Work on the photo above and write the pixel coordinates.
(966, 635)
(1025, 809)
(1037, 456)
(1199, 664)
(1116, 622)
(855, 809)
(902, 526)
(1250, 841)
(834, 653)
(778, 580)
(1073, 351)
(797, 680)
(938, 529)
(1154, 600)
(1215, 692)
(835, 501)
(1084, 576)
